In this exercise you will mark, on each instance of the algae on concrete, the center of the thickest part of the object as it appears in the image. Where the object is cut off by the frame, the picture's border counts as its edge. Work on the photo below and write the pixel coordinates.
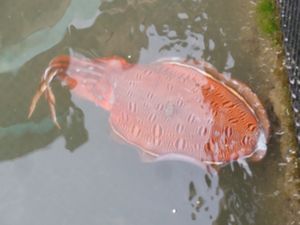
(267, 18)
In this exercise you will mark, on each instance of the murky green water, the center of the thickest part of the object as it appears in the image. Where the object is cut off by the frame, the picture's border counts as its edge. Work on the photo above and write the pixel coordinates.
(84, 174)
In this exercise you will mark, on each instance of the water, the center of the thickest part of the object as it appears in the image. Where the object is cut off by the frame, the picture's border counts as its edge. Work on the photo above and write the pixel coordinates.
(84, 174)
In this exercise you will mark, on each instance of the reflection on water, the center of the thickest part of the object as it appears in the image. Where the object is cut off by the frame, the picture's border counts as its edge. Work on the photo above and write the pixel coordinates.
(102, 180)
(205, 199)
(38, 27)
(56, 187)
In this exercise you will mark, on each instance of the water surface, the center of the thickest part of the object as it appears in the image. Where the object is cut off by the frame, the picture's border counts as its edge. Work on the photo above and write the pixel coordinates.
(84, 174)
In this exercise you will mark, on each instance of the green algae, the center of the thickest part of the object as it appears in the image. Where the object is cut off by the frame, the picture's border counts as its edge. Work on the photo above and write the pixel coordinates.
(267, 19)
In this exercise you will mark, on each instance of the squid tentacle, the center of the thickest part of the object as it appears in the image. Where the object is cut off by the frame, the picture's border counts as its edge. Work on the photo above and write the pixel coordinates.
(44, 88)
